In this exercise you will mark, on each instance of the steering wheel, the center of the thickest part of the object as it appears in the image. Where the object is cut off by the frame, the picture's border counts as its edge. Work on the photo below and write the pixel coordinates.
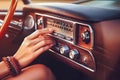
(8, 17)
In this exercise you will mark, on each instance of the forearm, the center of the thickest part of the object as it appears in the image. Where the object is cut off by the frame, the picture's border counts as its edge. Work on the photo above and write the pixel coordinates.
(4, 70)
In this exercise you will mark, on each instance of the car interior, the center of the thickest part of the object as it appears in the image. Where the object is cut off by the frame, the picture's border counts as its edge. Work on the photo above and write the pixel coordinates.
(87, 40)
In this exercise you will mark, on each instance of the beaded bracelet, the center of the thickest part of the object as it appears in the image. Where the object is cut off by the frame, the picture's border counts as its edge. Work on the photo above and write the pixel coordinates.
(12, 64)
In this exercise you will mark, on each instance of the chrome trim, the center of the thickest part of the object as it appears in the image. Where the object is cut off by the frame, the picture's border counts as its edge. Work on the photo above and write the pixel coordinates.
(91, 31)
(74, 61)
(29, 22)
(1, 22)
(74, 23)
(16, 13)
(13, 24)
(44, 15)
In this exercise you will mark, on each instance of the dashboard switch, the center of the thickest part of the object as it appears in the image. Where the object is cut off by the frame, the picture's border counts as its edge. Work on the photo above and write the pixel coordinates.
(64, 50)
(74, 54)
(86, 36)
(40, 21)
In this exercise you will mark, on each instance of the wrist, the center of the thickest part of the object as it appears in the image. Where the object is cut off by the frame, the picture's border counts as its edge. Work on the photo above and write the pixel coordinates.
(18, 61)
(12, 65)
(4, 70)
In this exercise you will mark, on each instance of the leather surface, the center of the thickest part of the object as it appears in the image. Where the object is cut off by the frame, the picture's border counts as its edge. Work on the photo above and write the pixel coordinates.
(86, 12)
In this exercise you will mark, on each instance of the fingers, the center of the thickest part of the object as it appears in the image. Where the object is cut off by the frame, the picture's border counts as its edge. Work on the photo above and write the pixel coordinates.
(36, 44)
(42, 49)
(42, 44)
(37, 40)
(37, 33)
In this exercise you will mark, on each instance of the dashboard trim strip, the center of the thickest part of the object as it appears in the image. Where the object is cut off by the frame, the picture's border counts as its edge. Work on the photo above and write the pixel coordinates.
(74, 61)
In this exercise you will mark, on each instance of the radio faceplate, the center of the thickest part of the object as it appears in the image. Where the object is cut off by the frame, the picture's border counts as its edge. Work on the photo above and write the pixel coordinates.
(74, 32)
(63, 29)
(74, 40)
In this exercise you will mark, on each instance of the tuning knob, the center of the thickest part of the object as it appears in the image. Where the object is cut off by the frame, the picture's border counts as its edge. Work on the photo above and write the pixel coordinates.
(40, 21)
(64, 50)
(74, 54)
(86, 36)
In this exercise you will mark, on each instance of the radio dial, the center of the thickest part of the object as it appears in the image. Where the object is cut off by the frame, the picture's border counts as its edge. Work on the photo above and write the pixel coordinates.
(64, 50)
(86, 36)
(40, 21)
(74, 54)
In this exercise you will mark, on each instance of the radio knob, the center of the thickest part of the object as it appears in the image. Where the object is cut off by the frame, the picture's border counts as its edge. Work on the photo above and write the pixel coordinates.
(40, 21)
(86, 36)
(74, 54)
(64, 50)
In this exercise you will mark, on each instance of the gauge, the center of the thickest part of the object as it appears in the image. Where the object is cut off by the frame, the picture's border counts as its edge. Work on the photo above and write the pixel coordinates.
(29, 22)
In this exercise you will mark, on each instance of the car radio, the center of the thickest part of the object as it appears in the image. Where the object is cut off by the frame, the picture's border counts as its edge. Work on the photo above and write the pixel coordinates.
(77, 33)
(63, 29)
(74, 40)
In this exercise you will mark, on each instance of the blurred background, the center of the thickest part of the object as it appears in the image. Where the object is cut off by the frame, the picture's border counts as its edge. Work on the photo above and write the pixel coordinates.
(4, 4)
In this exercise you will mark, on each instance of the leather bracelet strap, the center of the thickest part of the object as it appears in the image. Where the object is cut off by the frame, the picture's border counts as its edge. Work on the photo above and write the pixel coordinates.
(7, 63)
(12, 65)
(15, 65)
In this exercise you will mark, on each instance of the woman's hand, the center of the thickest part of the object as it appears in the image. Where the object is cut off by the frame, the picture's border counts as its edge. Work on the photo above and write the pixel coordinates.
(33, 45)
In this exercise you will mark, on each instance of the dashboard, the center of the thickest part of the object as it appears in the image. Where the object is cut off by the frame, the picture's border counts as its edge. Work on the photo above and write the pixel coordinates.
(74, 39)
(86, 37)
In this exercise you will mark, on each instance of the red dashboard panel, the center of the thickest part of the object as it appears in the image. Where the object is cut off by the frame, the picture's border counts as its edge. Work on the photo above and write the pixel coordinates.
(74, 40)
(86, 40)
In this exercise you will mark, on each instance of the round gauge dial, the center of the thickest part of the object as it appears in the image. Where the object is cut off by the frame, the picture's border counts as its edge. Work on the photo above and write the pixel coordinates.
(29, 22)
